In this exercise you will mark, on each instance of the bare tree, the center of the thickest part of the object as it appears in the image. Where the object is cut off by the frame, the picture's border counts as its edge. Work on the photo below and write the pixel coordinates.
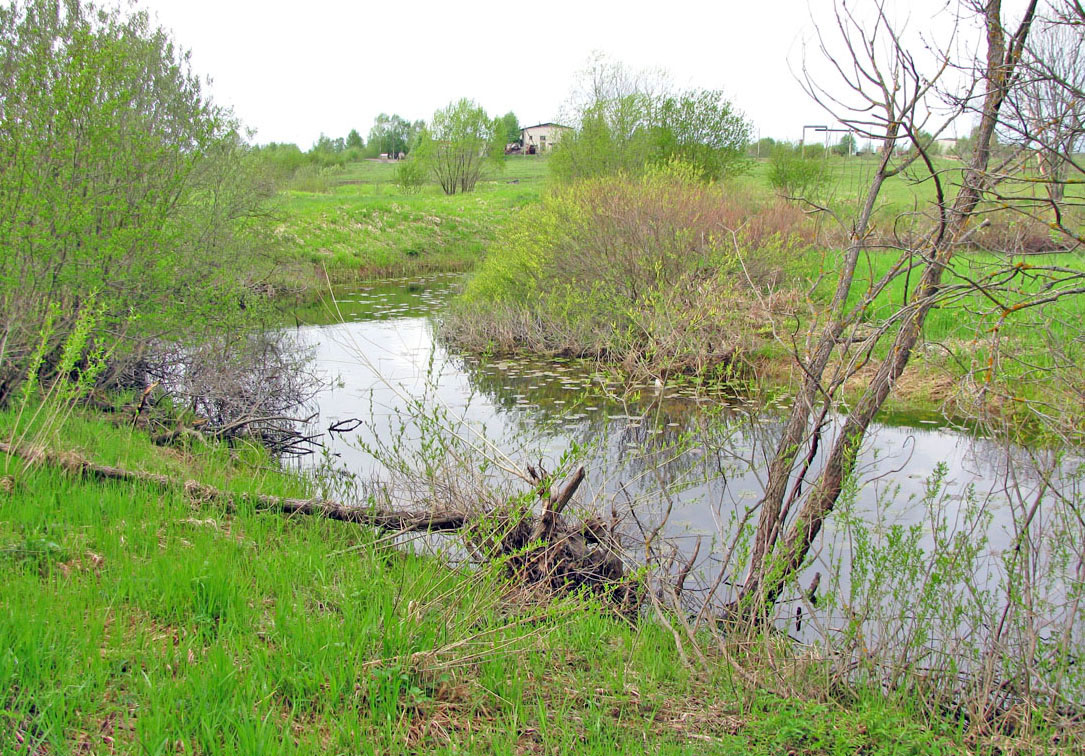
(1047, 109)
(890, 96)
(611, 85)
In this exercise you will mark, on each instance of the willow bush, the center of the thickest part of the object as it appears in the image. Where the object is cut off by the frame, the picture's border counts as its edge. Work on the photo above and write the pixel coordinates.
(121, 182)
(661, 273)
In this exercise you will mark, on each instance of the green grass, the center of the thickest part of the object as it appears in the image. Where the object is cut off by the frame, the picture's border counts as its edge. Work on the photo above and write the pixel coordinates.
(137, 621)
(1019, 352)
(959, 334)
(367, 227)
(848, 180)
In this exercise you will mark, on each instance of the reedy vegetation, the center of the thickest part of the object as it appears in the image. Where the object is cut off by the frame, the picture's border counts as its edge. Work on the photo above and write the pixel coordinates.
(662, 274)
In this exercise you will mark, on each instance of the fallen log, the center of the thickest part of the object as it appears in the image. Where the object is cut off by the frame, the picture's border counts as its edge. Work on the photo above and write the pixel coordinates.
(332, 510)
(543, 551)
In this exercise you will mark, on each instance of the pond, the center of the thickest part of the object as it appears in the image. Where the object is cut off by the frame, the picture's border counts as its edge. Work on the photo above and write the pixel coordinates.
(384, 358)
(674, 455)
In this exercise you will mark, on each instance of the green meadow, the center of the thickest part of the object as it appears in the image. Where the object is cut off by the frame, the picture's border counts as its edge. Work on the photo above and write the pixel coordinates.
(140, 621)
(366, 227)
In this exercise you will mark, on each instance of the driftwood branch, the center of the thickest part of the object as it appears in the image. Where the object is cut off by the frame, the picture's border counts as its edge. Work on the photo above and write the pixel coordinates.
(326, 508)
(566, 494)
(543, 551)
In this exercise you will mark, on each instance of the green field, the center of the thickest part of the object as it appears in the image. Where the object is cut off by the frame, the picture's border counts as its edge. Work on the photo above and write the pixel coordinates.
(366, 227)
(137, 621)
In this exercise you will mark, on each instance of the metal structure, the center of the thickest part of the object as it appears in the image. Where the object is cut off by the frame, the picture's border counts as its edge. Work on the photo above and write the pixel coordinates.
(821, 128)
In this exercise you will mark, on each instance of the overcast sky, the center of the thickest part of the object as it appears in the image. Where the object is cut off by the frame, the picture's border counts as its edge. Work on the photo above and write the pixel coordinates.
(293, 70)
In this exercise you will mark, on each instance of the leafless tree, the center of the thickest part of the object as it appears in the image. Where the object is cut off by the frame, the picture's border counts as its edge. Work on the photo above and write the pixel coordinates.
(890, 95)
(1047, 108)
(616, 88)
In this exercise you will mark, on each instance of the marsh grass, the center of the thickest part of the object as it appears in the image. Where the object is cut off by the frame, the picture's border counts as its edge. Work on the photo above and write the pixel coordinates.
(137, 621)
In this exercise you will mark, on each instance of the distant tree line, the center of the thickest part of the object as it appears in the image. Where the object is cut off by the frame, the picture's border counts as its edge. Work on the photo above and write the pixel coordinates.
(395, 137)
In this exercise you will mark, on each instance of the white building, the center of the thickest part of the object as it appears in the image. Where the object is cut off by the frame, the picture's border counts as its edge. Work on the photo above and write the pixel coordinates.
(541, 137)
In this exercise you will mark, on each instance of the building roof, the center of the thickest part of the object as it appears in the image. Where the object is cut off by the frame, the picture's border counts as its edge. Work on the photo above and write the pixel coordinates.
(556, 125)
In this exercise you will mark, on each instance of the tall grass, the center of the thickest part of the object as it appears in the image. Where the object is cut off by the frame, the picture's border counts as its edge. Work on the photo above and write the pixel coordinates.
(48, 396)
(134, 621)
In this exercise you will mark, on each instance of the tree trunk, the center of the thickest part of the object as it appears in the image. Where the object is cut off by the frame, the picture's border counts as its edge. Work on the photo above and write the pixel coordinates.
(772, 565)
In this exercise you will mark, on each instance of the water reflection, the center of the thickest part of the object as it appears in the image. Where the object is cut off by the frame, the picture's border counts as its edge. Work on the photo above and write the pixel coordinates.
(636, 440)
(695, 461)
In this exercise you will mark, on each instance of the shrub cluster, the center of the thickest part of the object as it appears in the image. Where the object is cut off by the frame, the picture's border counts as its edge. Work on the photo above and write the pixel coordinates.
(637, 131)
(792, 174)
(661, 273)
(458, 144)
(286, 166)
(122, 190)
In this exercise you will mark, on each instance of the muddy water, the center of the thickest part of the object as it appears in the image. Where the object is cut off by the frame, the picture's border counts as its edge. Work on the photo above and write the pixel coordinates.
(671, 452)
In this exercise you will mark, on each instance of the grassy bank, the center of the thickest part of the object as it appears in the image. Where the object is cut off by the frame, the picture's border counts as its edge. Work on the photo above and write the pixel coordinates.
(358, 224)
(134, 621)
(365, 226)
(662, 277)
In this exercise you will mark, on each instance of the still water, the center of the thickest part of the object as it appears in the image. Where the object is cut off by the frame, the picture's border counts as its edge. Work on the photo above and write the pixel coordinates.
(914, 559)
(698, 458)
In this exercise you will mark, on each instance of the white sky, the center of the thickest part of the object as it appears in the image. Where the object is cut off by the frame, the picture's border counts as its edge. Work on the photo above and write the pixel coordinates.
(292, 70)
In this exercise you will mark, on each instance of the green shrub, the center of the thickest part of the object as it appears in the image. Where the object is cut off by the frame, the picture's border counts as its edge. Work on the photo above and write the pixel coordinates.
(793, 175)
(459, 144)
(662, 273)
(312, 178)
(121, 183)
(410, 175)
